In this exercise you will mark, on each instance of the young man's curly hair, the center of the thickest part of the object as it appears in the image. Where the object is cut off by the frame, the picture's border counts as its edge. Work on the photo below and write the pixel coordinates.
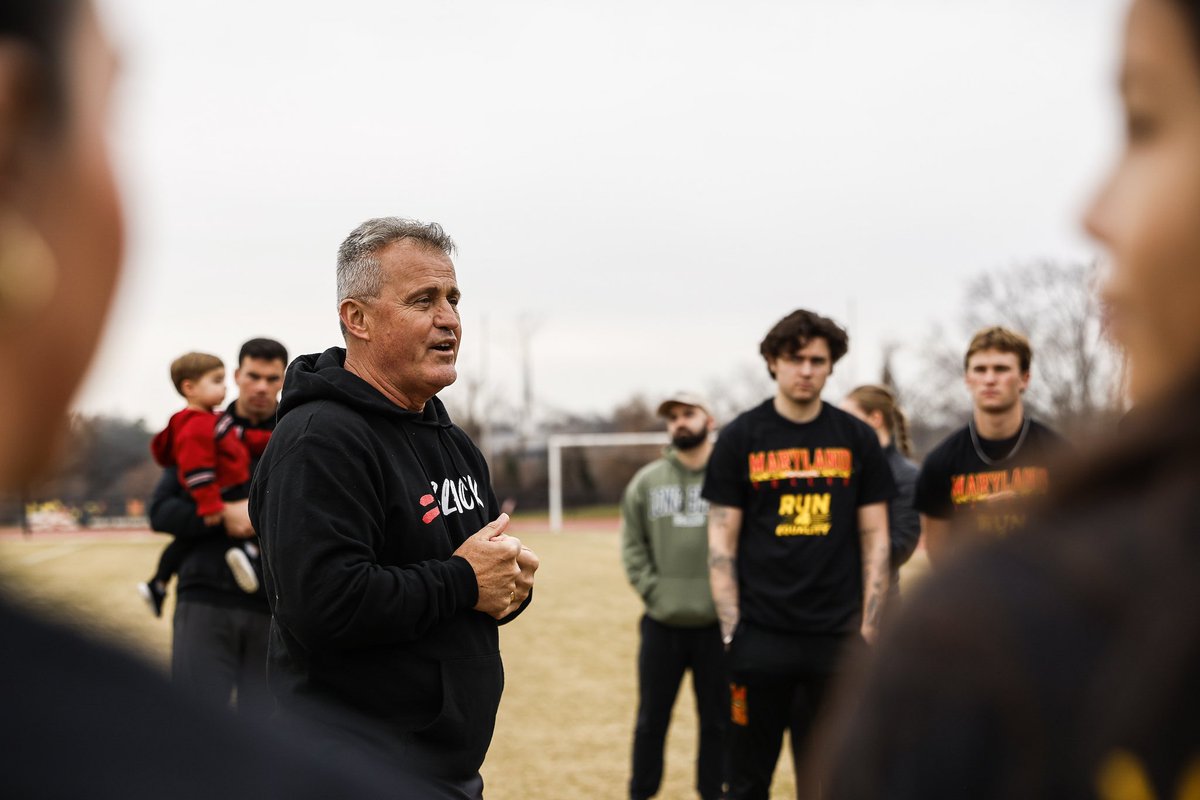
(799, 328)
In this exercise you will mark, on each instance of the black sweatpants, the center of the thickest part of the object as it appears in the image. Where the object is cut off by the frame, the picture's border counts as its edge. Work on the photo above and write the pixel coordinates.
(777, 682)
(219, 653)
(666, 653)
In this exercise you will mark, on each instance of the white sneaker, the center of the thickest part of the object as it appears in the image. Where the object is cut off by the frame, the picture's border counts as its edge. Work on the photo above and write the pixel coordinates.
(242, 569)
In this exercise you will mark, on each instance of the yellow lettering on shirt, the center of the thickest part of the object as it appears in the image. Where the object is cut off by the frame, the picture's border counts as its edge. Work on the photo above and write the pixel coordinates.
(794, 463)
(804, 515)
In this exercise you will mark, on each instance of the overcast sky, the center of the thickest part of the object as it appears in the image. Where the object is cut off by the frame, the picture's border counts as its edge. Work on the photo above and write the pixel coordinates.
(648, 185)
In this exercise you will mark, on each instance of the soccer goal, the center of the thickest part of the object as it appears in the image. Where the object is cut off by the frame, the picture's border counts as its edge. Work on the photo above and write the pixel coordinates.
(554, 448)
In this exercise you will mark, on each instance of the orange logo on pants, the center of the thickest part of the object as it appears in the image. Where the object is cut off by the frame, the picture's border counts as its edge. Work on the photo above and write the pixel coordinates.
(737, 709)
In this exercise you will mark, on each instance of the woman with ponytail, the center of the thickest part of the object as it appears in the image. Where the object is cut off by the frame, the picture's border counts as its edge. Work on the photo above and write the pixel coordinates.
(877, 406)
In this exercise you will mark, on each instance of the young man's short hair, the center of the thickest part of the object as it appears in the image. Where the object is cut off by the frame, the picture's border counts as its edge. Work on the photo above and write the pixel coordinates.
(263, 349)
(192, 367)
(1001, 340)
(796, 330)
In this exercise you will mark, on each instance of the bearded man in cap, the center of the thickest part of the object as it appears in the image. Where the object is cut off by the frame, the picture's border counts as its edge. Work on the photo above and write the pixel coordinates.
(664, 536)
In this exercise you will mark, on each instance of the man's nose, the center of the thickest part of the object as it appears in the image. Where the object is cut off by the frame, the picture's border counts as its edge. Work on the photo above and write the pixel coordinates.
(447, 316)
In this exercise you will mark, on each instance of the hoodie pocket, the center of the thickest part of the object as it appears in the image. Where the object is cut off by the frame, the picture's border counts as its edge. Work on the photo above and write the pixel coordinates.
(682, 601)
(458, 738)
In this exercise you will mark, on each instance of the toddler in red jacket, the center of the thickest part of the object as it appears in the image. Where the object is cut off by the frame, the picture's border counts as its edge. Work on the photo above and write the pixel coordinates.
(213, 457)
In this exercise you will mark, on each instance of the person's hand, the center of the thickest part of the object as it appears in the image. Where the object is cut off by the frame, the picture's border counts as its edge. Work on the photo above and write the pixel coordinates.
(237, 519)
(493, 556)
(212, 519)
(728, 629)
(528, 562)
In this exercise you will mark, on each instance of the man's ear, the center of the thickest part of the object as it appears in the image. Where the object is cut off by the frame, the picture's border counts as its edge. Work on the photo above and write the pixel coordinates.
(355, 319)
(1025, 381)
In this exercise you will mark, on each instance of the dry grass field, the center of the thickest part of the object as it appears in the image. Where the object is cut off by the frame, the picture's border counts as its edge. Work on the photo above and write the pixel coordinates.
(566, 720)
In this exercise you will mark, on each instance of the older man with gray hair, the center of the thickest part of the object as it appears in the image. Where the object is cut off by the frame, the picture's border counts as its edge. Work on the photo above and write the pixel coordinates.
(387, 564)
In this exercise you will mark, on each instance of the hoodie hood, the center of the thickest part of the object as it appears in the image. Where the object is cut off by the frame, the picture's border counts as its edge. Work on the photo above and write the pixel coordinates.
(162, 446)
(323, 376)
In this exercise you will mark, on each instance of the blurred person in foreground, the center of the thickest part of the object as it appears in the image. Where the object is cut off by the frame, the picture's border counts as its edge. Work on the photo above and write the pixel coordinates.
(1062, 662)
(877, 406)
(79, 719)
(387, 564)
(977, 483)
(798, 549)
(664, 548)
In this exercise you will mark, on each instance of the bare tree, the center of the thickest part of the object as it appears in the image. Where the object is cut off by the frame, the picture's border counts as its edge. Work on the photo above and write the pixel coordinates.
(744, 388)
(1076, 371)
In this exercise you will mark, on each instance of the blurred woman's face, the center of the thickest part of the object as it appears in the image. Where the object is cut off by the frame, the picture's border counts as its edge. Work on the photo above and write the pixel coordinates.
(62, 185)
(1148, 212)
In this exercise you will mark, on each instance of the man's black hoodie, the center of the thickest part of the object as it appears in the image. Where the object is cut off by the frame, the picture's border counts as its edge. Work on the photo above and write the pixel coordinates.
(360, 506)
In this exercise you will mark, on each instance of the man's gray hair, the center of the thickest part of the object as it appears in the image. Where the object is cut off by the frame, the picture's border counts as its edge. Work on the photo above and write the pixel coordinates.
(358, 272)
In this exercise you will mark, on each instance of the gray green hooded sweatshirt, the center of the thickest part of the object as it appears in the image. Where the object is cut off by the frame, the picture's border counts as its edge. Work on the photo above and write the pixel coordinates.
(664, 542)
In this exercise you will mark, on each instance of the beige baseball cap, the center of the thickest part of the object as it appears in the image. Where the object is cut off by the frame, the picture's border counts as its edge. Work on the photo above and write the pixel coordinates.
(683, 399)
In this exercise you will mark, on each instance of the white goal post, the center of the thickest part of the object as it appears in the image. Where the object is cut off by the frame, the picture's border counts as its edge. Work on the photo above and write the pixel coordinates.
(554, 448)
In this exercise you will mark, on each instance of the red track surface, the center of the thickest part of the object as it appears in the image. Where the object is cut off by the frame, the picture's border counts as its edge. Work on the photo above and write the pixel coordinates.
(533, 524)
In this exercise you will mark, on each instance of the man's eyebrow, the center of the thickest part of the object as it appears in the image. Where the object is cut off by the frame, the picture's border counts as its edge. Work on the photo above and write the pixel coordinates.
(429, 288)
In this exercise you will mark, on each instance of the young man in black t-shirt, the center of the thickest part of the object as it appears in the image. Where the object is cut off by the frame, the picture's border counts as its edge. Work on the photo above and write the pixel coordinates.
(975, 483)
(798, 547)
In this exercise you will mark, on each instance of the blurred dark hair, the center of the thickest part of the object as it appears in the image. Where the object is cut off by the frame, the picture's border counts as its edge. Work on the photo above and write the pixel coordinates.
(42, 26)
(1192, 9)
(797, 329)
(265, 349)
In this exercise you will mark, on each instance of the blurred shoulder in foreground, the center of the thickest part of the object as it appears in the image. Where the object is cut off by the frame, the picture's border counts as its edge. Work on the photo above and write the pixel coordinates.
(81, 720)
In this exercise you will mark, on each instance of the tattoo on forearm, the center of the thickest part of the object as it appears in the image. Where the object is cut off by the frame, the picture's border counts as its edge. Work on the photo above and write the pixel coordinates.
(723, 562)
(875, 579)
(724, 588)
(874, 599)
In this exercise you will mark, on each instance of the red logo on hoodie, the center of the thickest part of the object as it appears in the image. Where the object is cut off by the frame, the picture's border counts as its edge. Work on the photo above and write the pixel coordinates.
(432, 513)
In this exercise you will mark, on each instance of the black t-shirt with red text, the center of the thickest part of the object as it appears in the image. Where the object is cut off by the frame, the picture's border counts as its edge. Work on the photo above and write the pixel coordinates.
(982, 498)
(799, 486)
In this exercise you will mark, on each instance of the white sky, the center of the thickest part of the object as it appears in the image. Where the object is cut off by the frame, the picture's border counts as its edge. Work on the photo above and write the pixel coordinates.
(653, 183)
